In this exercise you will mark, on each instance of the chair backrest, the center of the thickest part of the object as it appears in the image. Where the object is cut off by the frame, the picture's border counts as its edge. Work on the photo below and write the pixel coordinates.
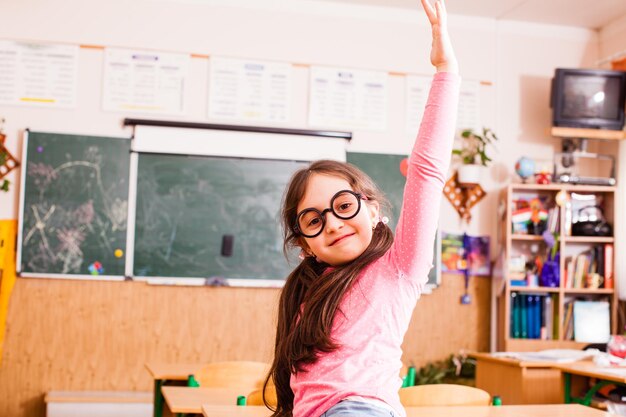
(256, 396)
(245, 375)
(443, 395)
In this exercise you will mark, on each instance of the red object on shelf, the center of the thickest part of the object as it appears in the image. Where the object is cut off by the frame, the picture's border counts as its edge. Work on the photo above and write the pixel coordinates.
(543, 178)
(608, 266)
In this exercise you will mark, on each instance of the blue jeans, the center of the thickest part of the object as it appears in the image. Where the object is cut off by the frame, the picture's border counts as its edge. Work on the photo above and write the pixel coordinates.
(356, 408)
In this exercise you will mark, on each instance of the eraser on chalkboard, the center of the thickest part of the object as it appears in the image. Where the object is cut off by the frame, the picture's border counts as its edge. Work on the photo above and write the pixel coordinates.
(227, 245)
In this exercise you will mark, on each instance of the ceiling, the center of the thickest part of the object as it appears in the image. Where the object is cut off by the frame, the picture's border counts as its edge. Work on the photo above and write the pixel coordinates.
(591, 14)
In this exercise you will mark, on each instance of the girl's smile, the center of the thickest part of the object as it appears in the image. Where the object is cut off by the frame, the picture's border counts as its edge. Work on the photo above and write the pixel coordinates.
(341, 239)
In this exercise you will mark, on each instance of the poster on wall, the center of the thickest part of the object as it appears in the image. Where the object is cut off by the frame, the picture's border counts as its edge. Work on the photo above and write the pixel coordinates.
(38, 74)
(348, 99)
(416, 93)
(457, 255)
(144, 81)
(468, 116)
(416, 90)
(247, 90)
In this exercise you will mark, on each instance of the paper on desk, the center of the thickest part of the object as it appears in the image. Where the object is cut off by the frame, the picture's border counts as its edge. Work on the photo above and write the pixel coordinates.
(549, 355)
(603, 360)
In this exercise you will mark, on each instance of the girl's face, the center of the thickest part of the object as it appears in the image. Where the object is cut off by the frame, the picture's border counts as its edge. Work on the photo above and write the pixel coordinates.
(340, 241)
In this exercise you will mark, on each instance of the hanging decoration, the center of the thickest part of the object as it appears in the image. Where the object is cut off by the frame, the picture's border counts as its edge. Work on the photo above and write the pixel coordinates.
(7, 161)
(463, 198)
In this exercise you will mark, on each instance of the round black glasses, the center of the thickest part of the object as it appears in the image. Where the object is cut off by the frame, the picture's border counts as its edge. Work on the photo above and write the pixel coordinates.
(344, 205)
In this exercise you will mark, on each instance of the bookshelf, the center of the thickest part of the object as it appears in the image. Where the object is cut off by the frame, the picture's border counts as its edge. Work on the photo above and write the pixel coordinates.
(532, 311)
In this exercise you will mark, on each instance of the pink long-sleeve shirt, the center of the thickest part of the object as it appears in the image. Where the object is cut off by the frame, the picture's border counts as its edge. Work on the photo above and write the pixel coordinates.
(376, 311)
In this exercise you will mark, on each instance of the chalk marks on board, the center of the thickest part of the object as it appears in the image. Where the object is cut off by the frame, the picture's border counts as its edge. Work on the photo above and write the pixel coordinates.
(74, 205)
(210, 217)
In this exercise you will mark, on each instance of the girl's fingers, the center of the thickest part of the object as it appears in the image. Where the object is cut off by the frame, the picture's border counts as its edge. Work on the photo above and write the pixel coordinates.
(441, 12)
(443, 6)
(430, 12)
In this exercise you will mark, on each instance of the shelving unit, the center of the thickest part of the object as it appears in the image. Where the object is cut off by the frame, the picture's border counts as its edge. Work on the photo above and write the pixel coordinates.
(571, 132)
(515, 244)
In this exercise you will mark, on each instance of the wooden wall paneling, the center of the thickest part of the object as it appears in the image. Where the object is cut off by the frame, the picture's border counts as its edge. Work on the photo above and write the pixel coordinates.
(75, 335)
(441, 325)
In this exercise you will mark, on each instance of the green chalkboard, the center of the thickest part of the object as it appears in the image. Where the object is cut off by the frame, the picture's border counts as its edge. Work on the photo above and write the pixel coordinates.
(188, 208)
(385, 170)
(74, 205)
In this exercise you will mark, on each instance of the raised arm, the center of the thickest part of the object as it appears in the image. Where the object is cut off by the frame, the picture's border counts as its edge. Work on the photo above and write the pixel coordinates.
(430, 158)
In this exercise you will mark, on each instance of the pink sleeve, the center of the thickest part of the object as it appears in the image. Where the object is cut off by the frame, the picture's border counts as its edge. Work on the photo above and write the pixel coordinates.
(412, 251)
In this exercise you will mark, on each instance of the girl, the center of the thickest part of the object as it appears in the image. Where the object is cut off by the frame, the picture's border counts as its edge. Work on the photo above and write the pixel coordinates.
(345, 308)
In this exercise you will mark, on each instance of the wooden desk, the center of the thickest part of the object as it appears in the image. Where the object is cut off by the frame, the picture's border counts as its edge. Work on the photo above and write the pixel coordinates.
(190, 400)
(518, 382)
(163, 372)
(545, 410)
(209, 410)
(604, 376)
(172, 371)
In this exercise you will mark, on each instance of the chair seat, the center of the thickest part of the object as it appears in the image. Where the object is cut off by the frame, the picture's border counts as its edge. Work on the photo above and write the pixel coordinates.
(245, 375)
(256, 396)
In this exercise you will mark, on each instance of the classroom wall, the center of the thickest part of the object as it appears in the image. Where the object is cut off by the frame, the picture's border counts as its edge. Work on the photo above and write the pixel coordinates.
(93, 335)
(613, 39)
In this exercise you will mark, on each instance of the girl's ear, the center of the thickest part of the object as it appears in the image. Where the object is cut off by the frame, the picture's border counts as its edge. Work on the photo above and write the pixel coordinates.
(302, 243)
(373, 209)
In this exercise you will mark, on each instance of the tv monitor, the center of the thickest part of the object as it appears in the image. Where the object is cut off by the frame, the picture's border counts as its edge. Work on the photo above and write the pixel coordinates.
(588, 98)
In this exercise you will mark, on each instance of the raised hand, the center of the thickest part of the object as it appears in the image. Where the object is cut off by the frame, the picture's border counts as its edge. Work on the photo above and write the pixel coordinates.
(441, 54)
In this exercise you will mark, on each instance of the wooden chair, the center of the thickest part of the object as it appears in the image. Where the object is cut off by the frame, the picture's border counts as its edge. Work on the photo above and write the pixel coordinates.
(256, 396)
(443, 395)
(245, 375)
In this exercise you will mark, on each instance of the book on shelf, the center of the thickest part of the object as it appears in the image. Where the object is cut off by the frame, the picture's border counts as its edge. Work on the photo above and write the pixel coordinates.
(567, 220)
(516, 308)
(608, 266)
(553, 220)
(596, 260)
(580, 271)
(568, 328)
(569, 272)
(598, 254)
(523, 324)
(548, 328)
(532, 306)
(532, 316)
(555, 317)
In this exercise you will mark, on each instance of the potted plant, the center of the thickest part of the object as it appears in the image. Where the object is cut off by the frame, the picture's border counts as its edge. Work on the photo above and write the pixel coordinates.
(455, 369)
(473, 154)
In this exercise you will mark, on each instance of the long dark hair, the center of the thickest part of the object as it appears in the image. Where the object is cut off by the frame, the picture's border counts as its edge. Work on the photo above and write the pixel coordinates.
(312, 292)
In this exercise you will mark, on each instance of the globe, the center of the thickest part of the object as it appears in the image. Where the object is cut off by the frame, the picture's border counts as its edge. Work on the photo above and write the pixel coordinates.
(525, 168)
